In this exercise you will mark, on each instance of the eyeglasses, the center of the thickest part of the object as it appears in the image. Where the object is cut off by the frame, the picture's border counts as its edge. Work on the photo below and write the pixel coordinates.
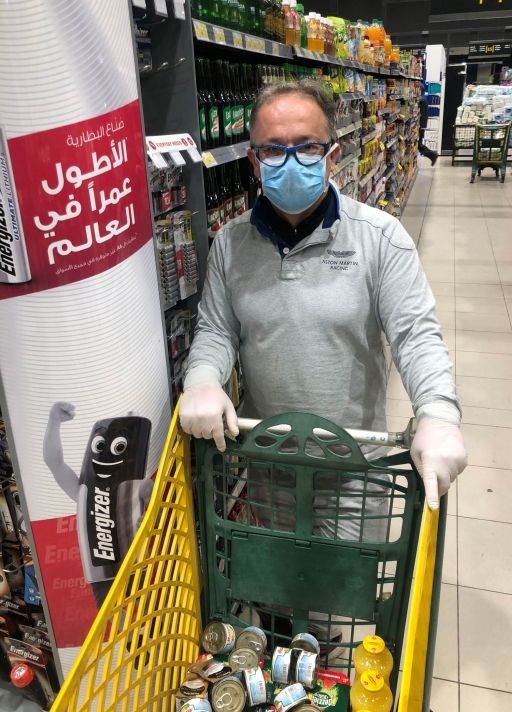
(307, 154)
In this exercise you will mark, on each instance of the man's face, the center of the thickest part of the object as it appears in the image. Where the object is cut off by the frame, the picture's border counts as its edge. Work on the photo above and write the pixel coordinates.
(290, 120)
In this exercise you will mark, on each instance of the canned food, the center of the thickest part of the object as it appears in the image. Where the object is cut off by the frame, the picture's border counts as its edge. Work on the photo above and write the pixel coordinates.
(228, 695)
(196, 704)
(215, 670)
(252, 637)
(243, 659)
(306, 669)
(291, 697)
(281, 665)
(306, 641)
(218, 638)
(256, 688)
(306, 707)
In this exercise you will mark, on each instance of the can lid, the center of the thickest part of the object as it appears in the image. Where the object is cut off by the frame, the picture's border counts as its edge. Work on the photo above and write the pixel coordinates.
(373, 644)
(372, 681)
(22, 675)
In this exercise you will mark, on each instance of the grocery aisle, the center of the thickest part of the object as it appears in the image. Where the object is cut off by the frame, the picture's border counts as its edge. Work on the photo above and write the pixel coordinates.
(464, 238)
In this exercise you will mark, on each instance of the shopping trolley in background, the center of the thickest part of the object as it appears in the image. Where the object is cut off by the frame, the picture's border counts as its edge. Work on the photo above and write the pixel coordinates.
(490, 149)
(148, 630)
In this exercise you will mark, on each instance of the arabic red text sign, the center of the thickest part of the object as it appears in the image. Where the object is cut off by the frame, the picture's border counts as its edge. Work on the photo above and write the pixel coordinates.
(82, 192)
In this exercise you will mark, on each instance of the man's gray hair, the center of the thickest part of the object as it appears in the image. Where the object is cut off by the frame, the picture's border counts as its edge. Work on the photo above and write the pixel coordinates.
(305, 89)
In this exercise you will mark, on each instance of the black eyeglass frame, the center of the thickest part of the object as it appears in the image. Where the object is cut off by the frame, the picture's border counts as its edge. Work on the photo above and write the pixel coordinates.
(292, 151)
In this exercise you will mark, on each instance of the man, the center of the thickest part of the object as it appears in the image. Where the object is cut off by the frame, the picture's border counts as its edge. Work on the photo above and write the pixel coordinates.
(303, 286)
(422, 147)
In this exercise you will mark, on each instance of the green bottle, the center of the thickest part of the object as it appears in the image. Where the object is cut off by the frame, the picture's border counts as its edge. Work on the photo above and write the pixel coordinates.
(233, 19)
(303, 27)
(215, 12)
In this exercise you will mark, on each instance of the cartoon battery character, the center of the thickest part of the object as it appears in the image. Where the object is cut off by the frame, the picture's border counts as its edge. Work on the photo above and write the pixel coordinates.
(110, 493)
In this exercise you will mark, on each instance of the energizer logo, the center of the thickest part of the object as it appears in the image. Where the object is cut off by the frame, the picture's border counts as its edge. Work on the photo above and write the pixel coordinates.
(23, 653)
(6, 258)
(103, 524)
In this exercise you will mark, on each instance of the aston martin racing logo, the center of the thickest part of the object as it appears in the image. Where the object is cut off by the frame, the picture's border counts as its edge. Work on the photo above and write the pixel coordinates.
(340, 255)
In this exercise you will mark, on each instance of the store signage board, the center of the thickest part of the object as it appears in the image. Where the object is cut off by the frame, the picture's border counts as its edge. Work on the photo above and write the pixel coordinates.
(455, 10)
(86, 353)
(490, 50)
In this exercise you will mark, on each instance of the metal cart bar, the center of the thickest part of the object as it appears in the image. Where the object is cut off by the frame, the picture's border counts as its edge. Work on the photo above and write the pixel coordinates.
(401, 440)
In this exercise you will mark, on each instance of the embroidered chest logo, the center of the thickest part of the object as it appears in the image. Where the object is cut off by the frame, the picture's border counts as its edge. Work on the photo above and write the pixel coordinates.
(341, 261)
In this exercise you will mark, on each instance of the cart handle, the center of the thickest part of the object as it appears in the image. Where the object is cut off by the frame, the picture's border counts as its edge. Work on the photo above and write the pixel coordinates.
(401, 440)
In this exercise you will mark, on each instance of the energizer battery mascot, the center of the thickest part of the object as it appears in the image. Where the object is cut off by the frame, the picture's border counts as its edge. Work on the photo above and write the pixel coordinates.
(110, 493)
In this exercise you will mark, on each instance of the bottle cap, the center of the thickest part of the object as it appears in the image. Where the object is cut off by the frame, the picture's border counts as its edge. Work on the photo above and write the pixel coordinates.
(372, 681)
(300, 8)
(22, 675)
(373, 644)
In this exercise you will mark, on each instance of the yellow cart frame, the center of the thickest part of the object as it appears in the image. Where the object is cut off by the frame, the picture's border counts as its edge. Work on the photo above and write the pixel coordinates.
(149, 628)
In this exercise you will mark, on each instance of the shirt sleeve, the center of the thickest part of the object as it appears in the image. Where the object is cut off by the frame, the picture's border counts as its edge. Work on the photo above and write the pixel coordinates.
(406, 310)
(217, 333)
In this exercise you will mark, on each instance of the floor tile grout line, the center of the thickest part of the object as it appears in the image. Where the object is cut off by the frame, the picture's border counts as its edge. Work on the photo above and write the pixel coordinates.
(480, 519)
(480, 687)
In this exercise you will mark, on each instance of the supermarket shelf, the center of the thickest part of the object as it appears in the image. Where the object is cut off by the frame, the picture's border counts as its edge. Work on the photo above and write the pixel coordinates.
(348, 188)
(206, 32)
(348, 129)
(225, 154)
(382, 172)
(369, 137)
(392, 171)
(393, 117)
(346, 161)
(364, 180)
(390, 143)
(396, 96)
(409, 188)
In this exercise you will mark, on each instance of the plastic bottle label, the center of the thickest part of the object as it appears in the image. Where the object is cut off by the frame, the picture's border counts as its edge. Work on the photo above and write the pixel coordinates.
(202, 125)
(228, 209)
(248, 110)
(227, 121)
(214, 122)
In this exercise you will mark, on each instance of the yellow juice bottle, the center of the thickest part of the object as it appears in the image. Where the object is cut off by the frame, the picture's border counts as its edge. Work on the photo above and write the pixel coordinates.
(369, 693)
(372, 654)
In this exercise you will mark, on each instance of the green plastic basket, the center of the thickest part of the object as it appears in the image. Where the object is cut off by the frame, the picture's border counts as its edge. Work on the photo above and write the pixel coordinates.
(304, 549)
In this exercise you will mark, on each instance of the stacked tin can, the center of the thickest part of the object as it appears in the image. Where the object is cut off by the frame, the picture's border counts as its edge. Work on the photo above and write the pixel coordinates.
(240, 682)
(167, 264)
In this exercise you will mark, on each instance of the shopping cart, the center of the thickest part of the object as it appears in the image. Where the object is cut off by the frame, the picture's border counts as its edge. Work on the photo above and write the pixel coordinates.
(463, 139)
(148, 630)
(490, 149)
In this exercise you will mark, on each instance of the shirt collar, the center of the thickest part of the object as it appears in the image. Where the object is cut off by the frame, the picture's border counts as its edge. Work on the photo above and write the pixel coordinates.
(260, 220)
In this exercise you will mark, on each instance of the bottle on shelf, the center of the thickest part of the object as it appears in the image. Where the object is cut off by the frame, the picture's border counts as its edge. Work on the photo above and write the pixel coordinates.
(303, 27)
(237, 109)
(233, 19)
(212, 120)
(216, 190)
(201, 103)
(225, 194)
(268, 6)
(215, 11)
(243, 15)
(312, 31)
(371, 694)
(372, 654)
(279, 23)
(224, 104)
(237, 191)
(253, 17)
(212, 204)
(387, 50)
(224, 12)
(289, 24)
(297, 22)
(321, 34)
(254, 188)
(248, 90)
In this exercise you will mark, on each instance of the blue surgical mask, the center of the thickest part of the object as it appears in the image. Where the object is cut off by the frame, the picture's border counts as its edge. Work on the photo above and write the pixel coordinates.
(293, 187)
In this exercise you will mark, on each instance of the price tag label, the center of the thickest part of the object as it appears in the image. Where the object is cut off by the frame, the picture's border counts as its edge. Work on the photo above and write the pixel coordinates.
(238, 40)
(275, 49)
(383, 203)
(259, 44)
(400, 167)
(401, 117)
(400, 137)
(209, 160)
(249, 42)
(382, 146)
(218, 33)
(201, 30)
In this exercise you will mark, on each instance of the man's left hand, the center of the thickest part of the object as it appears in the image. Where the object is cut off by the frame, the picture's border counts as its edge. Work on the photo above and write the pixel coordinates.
(439, 453)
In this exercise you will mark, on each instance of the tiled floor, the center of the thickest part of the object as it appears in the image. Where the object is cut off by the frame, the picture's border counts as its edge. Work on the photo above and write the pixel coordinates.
(464, 238)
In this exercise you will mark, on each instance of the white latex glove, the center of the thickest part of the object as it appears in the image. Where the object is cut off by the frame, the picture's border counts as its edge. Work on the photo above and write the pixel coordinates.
(439, 453)
(201, 410)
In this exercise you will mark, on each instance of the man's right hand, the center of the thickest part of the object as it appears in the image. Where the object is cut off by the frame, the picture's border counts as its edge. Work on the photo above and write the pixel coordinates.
(202, 408)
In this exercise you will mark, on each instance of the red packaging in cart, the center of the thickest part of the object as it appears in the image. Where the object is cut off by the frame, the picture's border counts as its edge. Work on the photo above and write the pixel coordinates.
(332, 691)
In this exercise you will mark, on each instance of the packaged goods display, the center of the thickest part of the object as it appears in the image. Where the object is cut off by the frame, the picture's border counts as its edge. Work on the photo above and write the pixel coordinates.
(284, 680)
(26, 656)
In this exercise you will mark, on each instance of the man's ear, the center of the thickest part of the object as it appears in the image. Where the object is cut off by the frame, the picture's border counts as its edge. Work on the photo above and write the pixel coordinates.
(331, 158)
(255, 163)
